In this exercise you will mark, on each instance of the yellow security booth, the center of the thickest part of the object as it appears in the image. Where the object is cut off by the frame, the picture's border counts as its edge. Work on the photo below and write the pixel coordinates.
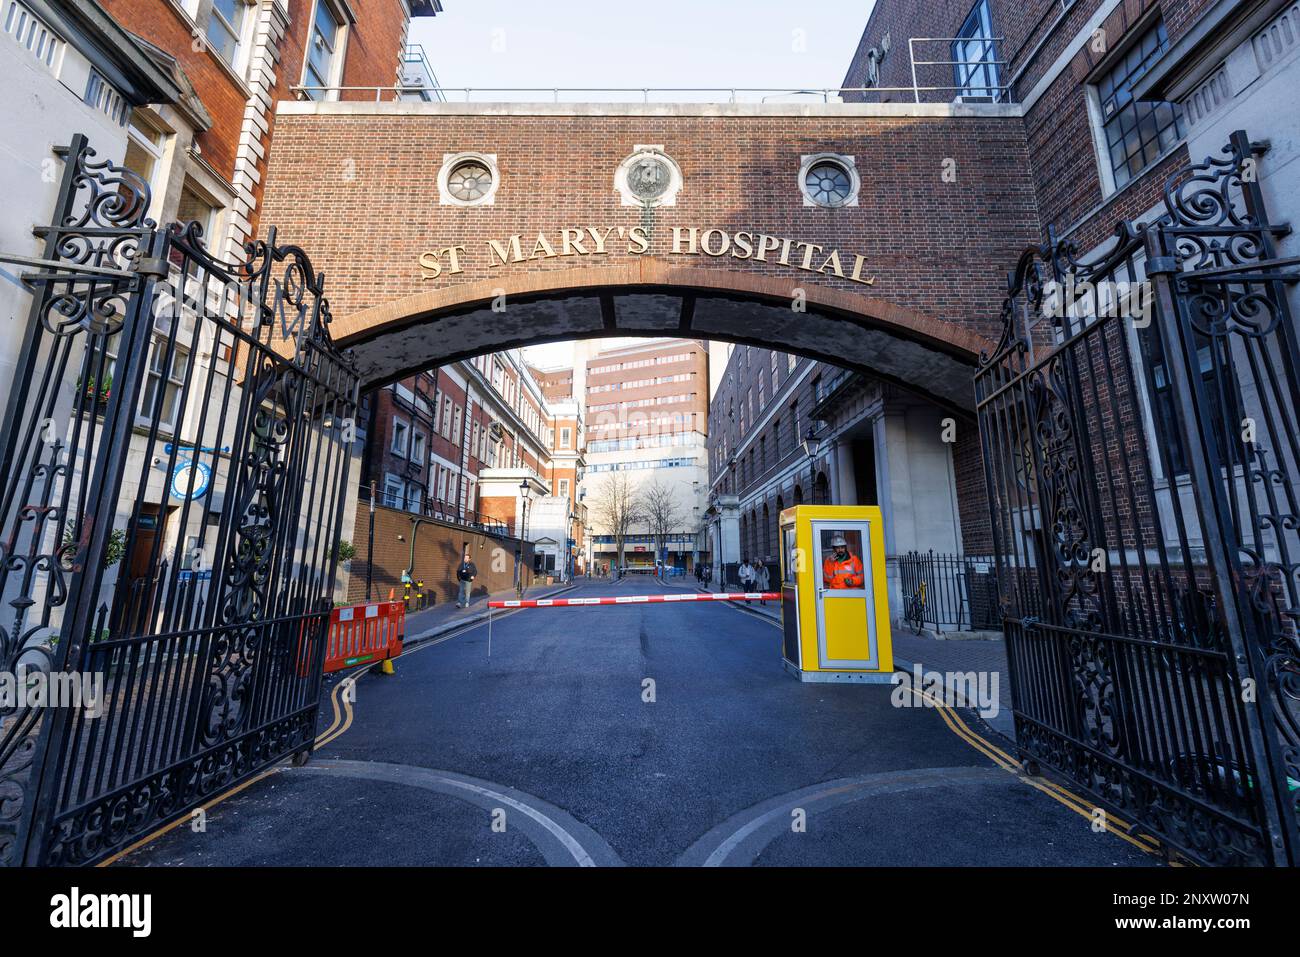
(835, 602)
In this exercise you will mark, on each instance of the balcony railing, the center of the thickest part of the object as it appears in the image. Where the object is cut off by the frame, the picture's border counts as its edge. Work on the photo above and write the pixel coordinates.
(436, 509)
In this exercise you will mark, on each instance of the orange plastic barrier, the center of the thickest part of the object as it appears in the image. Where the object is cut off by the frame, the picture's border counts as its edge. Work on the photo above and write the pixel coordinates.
(371, 631)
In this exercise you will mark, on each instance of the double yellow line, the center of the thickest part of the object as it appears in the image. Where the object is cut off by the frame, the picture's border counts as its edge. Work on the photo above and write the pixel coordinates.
(1081, 806)
(1114, 825)
(342, 720)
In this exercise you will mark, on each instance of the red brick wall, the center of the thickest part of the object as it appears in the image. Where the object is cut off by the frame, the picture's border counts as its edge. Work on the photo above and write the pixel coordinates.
(1067, 184)
(374, 51)
(939, 247)
(168, 29)
(437, 554)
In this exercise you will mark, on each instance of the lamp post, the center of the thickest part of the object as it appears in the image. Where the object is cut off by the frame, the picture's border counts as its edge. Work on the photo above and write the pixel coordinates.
(812, 444)
(524, 491)
(370, 544)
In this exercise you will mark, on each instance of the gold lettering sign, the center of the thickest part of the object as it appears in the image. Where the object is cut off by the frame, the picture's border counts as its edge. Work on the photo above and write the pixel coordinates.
(744, 245)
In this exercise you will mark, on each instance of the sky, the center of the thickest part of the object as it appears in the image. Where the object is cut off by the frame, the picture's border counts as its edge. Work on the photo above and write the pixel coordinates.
(700, 44)
(663, 43)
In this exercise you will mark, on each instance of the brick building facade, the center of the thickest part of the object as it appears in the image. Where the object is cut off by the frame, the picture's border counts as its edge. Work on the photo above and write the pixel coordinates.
(1097, 155)
(927, 196)
(648, 417)
(1061, 63)
(235, 59)
(453, 444)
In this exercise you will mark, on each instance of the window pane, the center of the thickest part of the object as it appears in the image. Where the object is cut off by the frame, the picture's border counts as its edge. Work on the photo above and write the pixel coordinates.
(1136, 132)
(139, 160)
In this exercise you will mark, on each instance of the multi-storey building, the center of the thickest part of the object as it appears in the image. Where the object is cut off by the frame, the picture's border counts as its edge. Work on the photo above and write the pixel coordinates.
(556, 384)
(1137, 90)
(181, 94)
(455, 444)
(647, 419)
(790, 431)
(234, 59)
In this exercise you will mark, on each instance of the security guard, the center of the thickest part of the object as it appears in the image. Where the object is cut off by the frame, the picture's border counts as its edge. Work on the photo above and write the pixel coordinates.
(842, 569)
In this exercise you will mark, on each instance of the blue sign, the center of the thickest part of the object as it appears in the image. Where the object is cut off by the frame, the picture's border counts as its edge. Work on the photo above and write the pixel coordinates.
(190, 479)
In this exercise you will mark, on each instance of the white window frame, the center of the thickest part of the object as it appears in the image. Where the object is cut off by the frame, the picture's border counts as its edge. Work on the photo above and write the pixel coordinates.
(217, 215)
(392, 482)
(138, 127)
(167, 418)
(401, 437)
(847, 164)
(243, 33)
(450, 161)
(339, 54)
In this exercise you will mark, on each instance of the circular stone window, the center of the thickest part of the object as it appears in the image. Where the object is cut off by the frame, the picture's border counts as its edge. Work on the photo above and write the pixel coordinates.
(828, 180)
(829, 184)
(468, 179)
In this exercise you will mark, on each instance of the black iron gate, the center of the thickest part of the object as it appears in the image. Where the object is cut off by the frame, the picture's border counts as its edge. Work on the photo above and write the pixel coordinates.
(174, 462)
(1141, 446)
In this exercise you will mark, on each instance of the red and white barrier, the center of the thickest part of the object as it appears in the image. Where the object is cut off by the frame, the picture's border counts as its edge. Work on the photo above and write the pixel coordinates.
(636, 599)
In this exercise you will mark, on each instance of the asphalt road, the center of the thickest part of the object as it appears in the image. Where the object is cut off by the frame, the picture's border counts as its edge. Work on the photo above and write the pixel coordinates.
(551, 752)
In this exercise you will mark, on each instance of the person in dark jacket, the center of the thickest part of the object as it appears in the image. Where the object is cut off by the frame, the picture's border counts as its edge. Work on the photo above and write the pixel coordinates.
(465, 575)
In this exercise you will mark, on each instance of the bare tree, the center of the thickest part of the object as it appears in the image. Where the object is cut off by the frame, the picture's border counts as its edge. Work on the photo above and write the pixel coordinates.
(614, 506)
(663, 513)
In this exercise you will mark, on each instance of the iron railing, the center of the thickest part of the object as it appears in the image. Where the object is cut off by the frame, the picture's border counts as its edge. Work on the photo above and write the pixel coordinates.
(173, 464)
(975, 88)
(1140, 441)
(644, 95)
(442, 511)
(960, 591)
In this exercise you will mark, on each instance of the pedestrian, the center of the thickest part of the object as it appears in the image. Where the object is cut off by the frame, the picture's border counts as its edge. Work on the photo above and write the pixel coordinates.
(465, 575)
(746, 573)
(764, 580)
(699, 575)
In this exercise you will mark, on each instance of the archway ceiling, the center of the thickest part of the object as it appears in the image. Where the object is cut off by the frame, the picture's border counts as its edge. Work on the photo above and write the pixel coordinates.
(422, 341)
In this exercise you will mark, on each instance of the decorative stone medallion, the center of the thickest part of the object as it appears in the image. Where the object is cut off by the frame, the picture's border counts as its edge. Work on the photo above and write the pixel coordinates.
(647, 178)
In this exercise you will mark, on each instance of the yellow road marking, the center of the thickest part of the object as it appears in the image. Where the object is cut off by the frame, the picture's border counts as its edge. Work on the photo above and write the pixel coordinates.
(1005, 761)
(322, 739)
(1053, 790)
(181, 820)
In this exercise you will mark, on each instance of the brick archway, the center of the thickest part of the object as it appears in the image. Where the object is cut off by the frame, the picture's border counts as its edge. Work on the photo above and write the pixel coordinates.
(653, 298)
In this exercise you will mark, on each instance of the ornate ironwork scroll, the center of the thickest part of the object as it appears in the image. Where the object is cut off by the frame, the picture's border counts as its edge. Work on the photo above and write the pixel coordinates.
(175, 468)
(1138, 421)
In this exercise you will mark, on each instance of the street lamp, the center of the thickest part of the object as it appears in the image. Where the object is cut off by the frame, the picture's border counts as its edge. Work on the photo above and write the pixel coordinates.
(523, 533)
(812, 444)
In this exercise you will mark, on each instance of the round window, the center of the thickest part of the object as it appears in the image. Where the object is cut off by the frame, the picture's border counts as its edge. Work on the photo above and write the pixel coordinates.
(828, 183)
(469, 181)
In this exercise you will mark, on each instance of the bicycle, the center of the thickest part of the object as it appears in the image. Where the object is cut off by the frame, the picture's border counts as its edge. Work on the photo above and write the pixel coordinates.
(915, 615)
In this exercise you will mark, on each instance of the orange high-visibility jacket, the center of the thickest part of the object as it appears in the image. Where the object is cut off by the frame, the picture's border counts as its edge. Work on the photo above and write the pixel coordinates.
(842, 574)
